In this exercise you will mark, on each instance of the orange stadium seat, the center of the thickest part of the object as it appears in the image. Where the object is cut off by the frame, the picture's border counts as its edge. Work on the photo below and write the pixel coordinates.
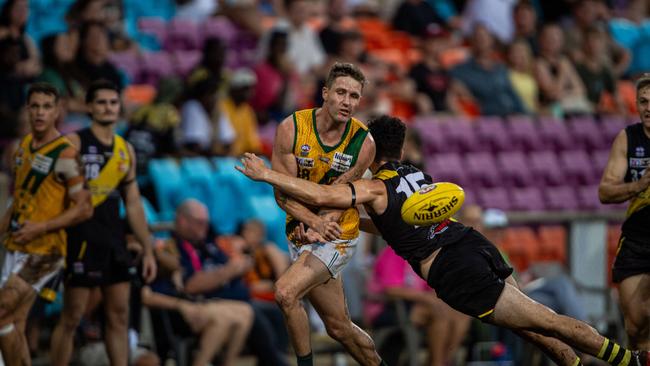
(613, 237)
(553, 243)
(521, 245)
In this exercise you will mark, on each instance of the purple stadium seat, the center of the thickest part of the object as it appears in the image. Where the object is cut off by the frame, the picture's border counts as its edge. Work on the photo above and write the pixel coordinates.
(587, 132)
(578, 167)
(545, 168)
(524, 134)
(184, 61)
(611, 126)
(496, 197)
(129, 62)
(561, 198)
(588, 198)
(155, 65)
(447, 168)
(182, 34)
(432, 139)
(515, 170)
(599, 160)
(527, 199)
(482, 169)
(460, 135)
(219, 27)
(555, 134)
(492, 134)
(155, 26)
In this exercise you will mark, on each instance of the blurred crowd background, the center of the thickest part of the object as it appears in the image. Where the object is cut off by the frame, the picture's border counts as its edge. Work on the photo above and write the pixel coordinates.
(517, 101)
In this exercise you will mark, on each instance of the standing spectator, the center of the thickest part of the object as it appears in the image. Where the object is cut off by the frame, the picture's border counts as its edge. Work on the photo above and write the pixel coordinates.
(92, 57)
(521, 66)
(561, 90)
(597, 76)
(237, 109)
(525, 22)
(13, 20)
(212, 62)
(486, 78)
(338, 22)
(414, 16)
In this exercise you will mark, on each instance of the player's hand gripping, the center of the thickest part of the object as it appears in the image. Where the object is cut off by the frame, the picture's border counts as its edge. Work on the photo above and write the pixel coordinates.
(644, 182)
(253, 168)
(29, 231)
(308, 236)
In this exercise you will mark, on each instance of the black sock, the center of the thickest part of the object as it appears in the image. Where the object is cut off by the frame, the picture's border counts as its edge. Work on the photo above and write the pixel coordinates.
(307, 360)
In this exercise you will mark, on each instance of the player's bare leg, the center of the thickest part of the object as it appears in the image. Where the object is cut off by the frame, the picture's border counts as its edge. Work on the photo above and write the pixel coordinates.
(116, 303)
(634, 295)
(75, 300)
(16, 299)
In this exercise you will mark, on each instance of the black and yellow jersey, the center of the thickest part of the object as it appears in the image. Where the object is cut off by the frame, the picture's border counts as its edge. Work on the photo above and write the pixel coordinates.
(638, 160)
(39, 194)
(413, 243)
(106, 168)
(322, 164)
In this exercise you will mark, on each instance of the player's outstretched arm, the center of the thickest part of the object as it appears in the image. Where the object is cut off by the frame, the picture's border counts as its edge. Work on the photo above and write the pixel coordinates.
(612, 187)
(337, 195)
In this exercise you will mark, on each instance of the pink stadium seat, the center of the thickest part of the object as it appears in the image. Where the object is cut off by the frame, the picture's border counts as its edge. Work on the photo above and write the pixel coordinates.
(219, 27)
(587, 132)
(155, 26)
(447, 168)
(599, 160)
(555, 134)
(460, 135)
(496, 197)
(482, 169)
(493, 134)
(155, 65)
(553, 243)
(184, 61)
(432, 139)
(545, 168)
(129, 62)
(515, 170)
(578, 167)
(527, 199)
(588, 198)
(561, 198)
(611, 126)
(182, 34)
(524, 134)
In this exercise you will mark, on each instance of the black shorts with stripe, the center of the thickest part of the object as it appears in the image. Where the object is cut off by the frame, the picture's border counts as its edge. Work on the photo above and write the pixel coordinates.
(469, 275)
(632, 257)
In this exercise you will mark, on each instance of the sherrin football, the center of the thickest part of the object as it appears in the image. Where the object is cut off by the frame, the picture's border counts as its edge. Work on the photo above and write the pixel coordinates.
(432, 204)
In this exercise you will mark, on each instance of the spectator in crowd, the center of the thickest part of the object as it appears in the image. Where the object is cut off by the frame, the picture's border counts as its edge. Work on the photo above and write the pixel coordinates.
(13, 21)
(212, 62)
(92, 57)
(58, 56)
(237, 109)
(434, 85)
(413, 149)
(414, 16)
(208, 272)
(525, 22)
(277, 85)
(338, 22)
(597, 76)
(494, 15)
(220, 324)
(561, 90)
(203, 130)
(395, 279)
(486, 78)
(521, 65)
(12, 96)
(351, 48)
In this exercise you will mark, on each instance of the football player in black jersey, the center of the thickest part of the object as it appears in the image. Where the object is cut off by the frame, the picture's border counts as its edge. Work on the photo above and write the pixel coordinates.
(464, 268)
(627, 177)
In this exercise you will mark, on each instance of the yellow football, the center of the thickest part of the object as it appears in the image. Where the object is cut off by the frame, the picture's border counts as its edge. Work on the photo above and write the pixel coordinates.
(432, 204)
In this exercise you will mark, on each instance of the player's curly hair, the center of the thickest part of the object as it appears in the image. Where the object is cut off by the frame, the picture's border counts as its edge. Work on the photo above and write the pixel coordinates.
(388, 133)
(345, 69)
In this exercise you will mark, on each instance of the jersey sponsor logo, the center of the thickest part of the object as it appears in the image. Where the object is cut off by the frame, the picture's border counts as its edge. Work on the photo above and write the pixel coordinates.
(19, 157)
(437, 229)
(92, 158)
(639, 151)
(306, 163)
(427, 188)
(42, 163)
(341, 162)
(639, 162)
(92, 149)
(324, 159)
(304, 150)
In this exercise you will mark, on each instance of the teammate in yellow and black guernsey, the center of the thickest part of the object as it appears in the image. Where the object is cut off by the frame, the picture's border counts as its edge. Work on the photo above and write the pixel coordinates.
(627, 177)
(465, 269)
(323, 145)
(97, 254)
(49, 195)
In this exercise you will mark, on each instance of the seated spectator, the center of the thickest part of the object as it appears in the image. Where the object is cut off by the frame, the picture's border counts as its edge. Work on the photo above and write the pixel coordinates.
(209, 273)
(414, 16)
(394, 278)
(486, 78)
(276, 91)
(13, 21)
(203, 130)
(237, 109)
(222, 325)
(92, 57)
(525, 22)
(521, 71)
(597, 76)
(338, 22)
(494, 15)
(561, 90)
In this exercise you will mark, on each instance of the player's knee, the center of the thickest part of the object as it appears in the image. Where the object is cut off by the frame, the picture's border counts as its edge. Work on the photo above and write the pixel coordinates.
(338, 329)
(244, 315)
(286, 297)
(118, 315)
(637, 328)
(70, 320)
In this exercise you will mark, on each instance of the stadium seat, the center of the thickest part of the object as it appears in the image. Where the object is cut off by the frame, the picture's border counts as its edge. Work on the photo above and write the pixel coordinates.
(610, 126)
(588, 198)
(447, 168)
(553, 243)
(613, 240)
(555, 134)
(515, 170)
(578, 167)
(544, 166)
(524, 134)
(482, 168)
(492, 134)
(561, 198)
(521, 245)
(219, 27)
(155, 65)
(155, 26)
(430, 131)
(599, 160)
(527, 199)
(585, 130)
(129, 62)
(496, 197)
(460, 136)
(197, 173)
(166, 179)
(182, 34)
(185, 61)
